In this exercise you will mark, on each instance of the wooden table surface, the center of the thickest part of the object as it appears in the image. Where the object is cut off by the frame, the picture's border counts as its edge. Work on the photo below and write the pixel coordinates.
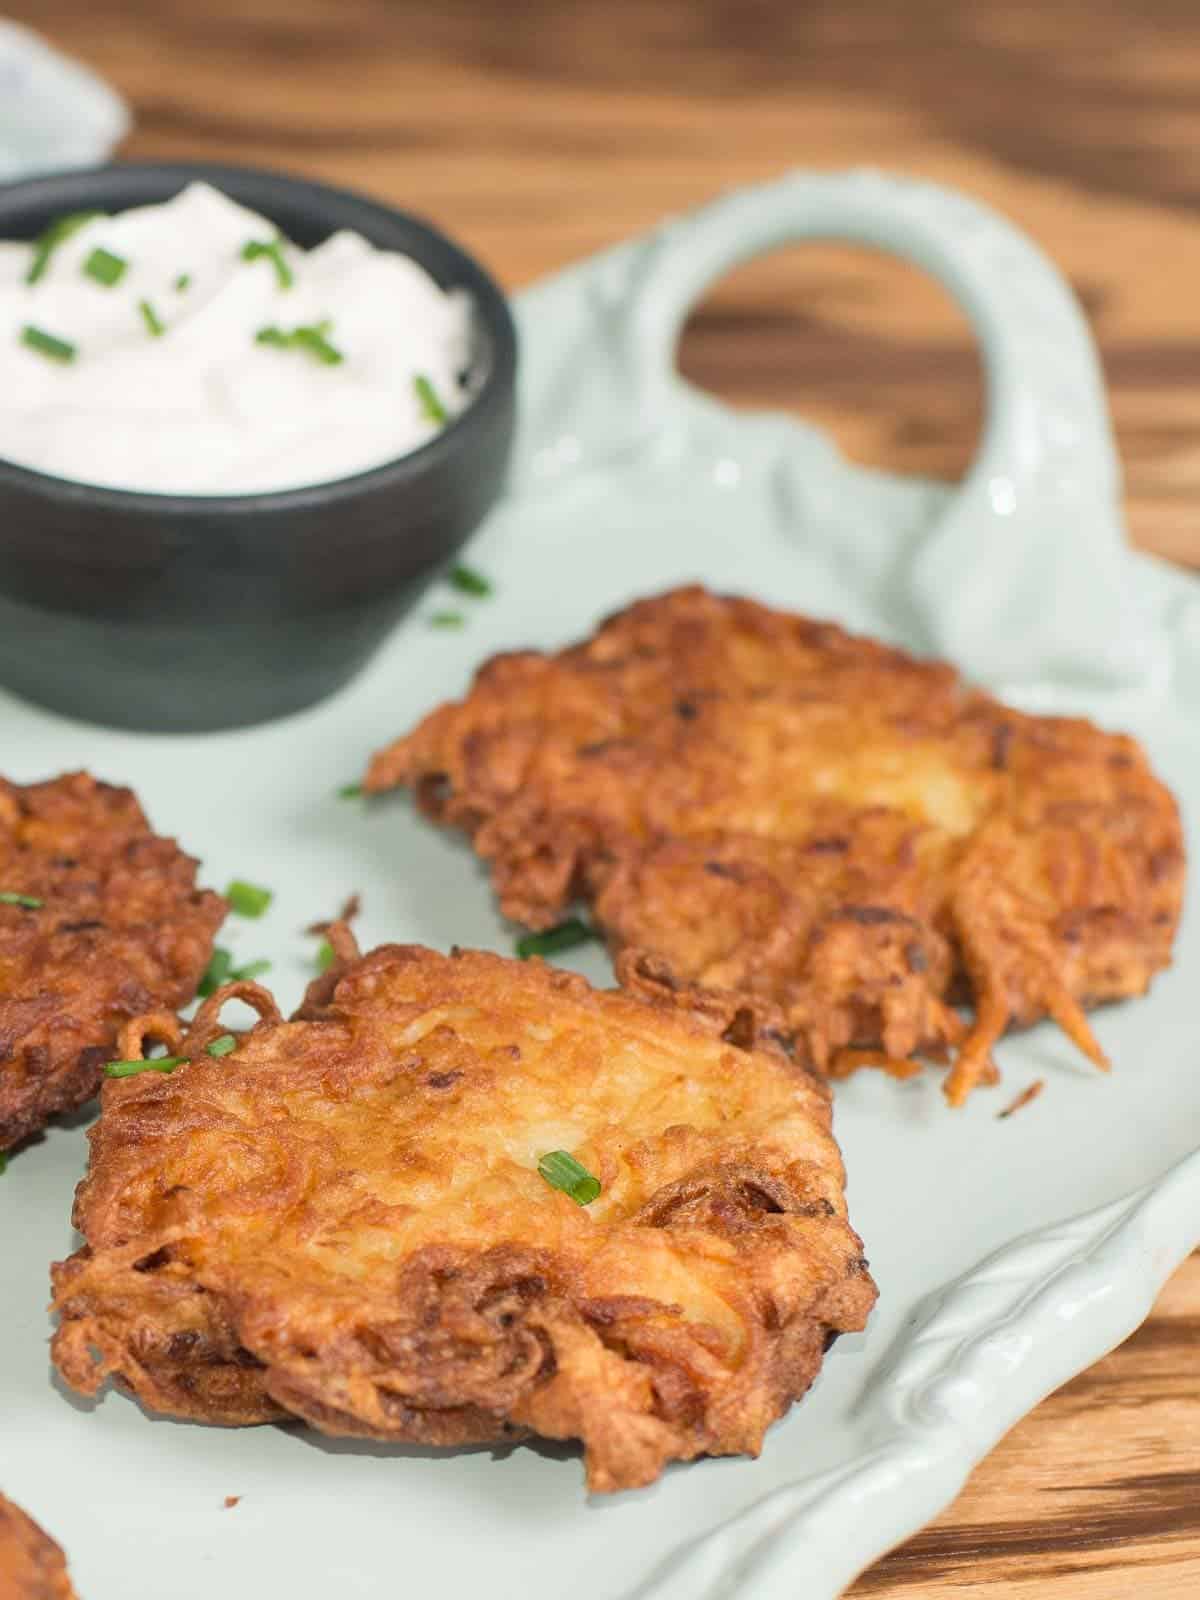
(541, 130)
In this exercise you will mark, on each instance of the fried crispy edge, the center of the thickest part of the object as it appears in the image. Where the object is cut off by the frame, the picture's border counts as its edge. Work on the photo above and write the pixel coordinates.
(32, 1564)
(71, 1083)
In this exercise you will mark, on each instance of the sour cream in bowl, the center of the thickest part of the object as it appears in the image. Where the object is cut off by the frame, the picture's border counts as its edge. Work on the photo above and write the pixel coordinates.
(244, 419)
(187, 347)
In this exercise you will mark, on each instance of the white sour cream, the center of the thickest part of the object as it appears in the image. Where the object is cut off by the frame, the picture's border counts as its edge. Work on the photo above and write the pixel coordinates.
(205, 408)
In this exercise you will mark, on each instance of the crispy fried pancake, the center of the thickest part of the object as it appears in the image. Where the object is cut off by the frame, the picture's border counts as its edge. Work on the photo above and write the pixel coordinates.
(120, 929)
(344, 1221)
(32, 1567)
(845, 840)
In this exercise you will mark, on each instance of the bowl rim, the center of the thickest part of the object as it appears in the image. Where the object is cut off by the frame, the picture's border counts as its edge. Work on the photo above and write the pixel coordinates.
(492, 303)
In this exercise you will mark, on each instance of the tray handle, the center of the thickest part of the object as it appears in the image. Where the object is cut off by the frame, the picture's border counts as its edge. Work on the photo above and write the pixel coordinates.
(1024, 575)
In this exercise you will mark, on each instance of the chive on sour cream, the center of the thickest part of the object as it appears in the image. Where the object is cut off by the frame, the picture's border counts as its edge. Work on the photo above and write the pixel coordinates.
(186, 348)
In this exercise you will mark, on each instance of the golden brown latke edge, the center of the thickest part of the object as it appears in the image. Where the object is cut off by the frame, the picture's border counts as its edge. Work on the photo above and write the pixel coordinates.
(68, 1084)
(33, 1566)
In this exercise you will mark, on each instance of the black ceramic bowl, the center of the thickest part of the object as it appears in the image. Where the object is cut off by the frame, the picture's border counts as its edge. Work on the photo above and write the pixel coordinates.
(185, 613)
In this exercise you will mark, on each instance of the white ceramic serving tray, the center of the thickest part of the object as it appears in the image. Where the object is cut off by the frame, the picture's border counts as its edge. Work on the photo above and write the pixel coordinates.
(1009, 1254)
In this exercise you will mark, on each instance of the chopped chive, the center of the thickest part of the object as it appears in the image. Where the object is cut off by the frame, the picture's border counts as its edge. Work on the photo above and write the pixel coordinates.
(314, 341)
(310, 337)
(562, 1171)
(155, 325)
(271, 250)
(45, 246)
(3, 1163)
(565, 936)
(326, 956)
(468, 581)
(447, 619)
(252, 970)
(182, 282)
(130, 1069)
(218, 971)
(27, 902)
(247, 899)
(350, 791)
(105, 267)
(221, 971)
(427, 399)
(222, 1045)
(47, 344)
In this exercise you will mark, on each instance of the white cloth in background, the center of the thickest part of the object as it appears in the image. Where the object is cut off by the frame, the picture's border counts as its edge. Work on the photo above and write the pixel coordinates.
(54, 112)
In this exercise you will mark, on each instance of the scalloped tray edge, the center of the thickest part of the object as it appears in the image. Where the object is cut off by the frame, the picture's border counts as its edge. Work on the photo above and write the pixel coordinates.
(1026, 1320)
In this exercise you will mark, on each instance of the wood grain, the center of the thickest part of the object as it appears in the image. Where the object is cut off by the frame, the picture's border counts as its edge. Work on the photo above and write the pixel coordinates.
(541, 131)
(1098, 1489)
